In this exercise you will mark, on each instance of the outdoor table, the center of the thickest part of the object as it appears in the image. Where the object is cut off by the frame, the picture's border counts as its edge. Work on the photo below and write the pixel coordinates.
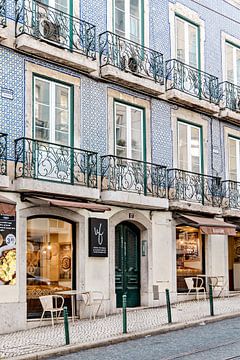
(73, 294)
(209, 279)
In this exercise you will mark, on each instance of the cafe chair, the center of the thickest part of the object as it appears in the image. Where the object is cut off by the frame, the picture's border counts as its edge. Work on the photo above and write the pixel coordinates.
(93, 300)
(219, 286)
(195, 284)
(52, 304)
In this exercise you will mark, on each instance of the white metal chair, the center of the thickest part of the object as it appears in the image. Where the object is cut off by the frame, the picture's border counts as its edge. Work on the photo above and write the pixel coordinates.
(219, 285)
(52, 304)
(93, 300)
(195, 284)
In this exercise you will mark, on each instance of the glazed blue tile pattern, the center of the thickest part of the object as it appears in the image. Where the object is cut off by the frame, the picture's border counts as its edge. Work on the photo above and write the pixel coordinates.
(12, 111)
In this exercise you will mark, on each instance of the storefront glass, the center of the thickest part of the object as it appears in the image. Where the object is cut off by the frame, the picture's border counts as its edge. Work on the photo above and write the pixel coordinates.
(49, 260)
(234, 262)
(189, 251)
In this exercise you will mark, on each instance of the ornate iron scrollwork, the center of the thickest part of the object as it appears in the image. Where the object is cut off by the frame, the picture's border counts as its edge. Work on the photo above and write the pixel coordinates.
(52, 25)
(43, 160)
(229, 95)
(2, 13)
(123, 174)
(130, 56)
(192, 81)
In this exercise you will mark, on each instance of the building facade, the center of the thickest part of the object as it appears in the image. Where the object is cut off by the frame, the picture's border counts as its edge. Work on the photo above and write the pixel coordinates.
(120, 149)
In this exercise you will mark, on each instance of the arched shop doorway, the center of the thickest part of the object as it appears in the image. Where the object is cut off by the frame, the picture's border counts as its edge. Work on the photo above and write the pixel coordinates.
(50, 260)
(127, 264)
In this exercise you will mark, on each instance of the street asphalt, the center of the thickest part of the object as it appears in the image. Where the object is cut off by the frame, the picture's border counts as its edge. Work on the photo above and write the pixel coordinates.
(220, 340)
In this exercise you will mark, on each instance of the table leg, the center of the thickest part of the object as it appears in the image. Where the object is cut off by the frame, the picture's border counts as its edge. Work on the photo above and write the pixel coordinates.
(73, 307)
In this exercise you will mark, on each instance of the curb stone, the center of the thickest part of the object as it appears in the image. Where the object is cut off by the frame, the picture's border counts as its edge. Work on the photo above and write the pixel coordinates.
(68, 349)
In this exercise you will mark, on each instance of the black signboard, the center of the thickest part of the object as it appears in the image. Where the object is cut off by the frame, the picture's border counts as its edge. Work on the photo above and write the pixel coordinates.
(98, 237)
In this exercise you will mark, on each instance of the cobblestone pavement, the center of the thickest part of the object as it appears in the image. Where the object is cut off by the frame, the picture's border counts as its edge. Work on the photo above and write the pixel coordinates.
(88, 331)
(216, 341)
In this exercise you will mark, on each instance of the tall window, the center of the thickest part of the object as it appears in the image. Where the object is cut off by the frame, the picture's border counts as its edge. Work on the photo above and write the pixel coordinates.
(128, 19)
(187, 42)
(232, 56)
(189, 147)
(234, 159)
(51, 111)
(129, 131)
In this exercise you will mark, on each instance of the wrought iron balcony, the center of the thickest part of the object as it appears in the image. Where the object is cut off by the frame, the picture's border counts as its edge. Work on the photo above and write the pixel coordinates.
(52, 162)
(130, 56)
(229, 95)
(2, 13)
(194, 187)
(123, 174)
(56, 27)
(231, 194)
(3, 154)
(191, 81)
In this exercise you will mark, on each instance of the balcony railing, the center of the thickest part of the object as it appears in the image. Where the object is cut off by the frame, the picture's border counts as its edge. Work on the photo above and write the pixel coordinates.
(130, 56)
(191, 81)
(231, 194)
(47, 161)
(123, 174)
(229, 95)
(194, 187)
(2, 13)
(3, 154)
(56, 27)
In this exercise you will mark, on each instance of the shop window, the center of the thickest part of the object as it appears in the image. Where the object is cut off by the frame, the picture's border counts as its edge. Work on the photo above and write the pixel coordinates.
(128, 19)
(52, 111)
(189, 147)
(50, 260)
(187, 42)
(129, 134)
(232, 56)
(189, 250)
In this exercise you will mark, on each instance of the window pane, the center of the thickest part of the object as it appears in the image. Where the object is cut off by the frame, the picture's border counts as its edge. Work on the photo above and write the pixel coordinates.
(238, 66)
(192, 33)
(195, 150)
(62, 118)
(135, 20)
(42, 110)
(233, 159)
(62, 5)
(121, 130)
(182, 146)
(180, 40)
(229, 63)
(136, 134)
(120, 17)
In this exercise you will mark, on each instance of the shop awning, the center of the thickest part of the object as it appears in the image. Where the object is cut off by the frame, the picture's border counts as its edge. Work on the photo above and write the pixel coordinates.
(208, 226)
(37, 200)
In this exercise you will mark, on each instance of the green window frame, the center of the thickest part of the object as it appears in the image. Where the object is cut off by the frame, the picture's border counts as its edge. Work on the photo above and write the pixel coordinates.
(124, 12)
(129, 127)
(232, 62)
(186, 156)
(187, 26)
(55, 83)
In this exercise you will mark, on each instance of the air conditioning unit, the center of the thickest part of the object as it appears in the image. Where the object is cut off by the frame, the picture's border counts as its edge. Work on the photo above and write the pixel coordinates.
(50, 31)
(133, 64)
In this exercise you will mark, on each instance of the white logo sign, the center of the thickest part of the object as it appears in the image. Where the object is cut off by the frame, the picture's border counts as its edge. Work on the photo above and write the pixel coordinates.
(99, 233)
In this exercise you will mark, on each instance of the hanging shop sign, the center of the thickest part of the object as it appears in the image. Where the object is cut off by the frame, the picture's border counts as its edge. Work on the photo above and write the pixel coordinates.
(98, 237)
(8, 249)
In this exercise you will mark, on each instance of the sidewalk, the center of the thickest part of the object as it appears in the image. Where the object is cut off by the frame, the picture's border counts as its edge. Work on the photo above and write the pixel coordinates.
(89, 333)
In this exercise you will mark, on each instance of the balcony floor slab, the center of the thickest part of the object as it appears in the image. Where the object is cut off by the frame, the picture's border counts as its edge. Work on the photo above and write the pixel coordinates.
(194, 207)
(133, 81)
(60, 55)
(133, 200)
(3, 33)
(180, 97)
(4, 181)
(48, 187)
(230, 115)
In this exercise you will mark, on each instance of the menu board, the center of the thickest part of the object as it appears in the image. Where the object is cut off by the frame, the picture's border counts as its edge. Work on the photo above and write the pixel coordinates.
(7, 250)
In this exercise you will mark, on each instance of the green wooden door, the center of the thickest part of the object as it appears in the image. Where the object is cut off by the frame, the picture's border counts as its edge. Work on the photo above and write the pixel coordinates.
(127, 264)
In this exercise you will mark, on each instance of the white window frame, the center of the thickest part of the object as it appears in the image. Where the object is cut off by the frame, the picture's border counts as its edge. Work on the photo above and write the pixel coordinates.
(226, 38)
(129, 128)
(237, 157)
(52, 119)
(189, 127)
(193, 17)
(235, 48)
(144, 25)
